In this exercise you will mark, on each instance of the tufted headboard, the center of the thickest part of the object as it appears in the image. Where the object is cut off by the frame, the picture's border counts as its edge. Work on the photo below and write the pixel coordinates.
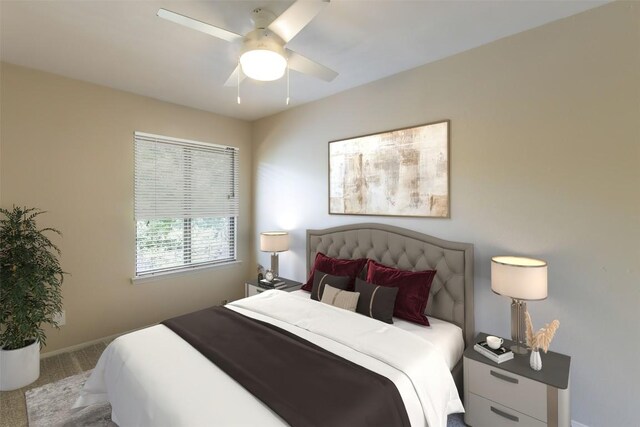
(451, 295)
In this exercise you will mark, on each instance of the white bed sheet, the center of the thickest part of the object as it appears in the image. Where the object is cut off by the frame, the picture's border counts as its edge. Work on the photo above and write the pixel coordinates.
(446, 336)
(153, 377)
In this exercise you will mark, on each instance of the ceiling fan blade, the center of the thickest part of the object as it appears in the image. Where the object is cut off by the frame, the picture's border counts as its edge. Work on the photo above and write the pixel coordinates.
(198, 25)
(294, 19)
(305, 65)
(233, 78)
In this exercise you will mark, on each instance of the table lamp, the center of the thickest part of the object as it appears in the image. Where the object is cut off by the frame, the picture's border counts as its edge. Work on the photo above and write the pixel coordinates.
(521, 279)
(274, 242)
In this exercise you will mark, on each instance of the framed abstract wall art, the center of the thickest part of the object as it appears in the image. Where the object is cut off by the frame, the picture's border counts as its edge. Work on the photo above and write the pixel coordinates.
(403, 172)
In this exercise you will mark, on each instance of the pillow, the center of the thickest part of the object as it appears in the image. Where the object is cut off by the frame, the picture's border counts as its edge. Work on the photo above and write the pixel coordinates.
(340, 298)
(376, 301)
(337, 267)
(413, 289)
(321, 279)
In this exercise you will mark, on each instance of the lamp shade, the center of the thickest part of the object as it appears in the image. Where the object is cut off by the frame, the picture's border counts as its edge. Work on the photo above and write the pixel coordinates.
(263, 64)
(263, 56)
(519, 278)
(274, 241)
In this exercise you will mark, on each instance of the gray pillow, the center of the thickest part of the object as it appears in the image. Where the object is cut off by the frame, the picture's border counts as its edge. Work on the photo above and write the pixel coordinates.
(376, 301)
(321, 279)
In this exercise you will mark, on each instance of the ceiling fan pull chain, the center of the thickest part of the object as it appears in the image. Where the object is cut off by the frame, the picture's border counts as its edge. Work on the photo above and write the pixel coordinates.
(238, 74)
(287, 83)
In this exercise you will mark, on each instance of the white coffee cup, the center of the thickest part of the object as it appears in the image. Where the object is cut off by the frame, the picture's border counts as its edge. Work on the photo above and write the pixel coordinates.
(494, 342)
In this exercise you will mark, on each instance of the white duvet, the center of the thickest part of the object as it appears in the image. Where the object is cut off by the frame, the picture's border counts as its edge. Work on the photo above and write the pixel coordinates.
(153, 377)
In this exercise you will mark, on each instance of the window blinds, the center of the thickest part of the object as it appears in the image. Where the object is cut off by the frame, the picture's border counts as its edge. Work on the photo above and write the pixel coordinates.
(184, 179)
(186, 203)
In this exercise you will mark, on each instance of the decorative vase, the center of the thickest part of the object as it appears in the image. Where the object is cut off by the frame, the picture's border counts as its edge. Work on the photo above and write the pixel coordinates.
(535, 361)
(19, 367)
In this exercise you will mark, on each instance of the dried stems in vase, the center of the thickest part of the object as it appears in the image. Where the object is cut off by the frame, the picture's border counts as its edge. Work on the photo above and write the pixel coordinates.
(542, 338)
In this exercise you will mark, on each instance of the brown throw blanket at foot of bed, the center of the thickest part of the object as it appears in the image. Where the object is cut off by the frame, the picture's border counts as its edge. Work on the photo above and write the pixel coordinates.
(301, 382)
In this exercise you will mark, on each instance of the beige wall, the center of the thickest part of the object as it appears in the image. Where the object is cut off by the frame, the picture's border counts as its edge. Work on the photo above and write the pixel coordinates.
(67, 147)
(545, 150)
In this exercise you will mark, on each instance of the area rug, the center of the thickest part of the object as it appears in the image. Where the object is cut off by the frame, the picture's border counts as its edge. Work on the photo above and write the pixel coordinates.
(50, 406)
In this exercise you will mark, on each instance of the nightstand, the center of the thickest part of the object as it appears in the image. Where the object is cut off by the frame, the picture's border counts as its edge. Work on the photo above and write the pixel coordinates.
(253, 287)
(513, 394)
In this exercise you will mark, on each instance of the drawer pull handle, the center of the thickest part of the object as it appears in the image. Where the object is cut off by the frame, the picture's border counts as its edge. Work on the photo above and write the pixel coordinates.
(504, 377)
(504, 414)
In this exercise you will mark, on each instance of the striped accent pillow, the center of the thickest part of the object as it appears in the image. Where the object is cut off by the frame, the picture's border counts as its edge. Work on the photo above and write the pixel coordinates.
(340, 298)
(376, 301)
(320, 280)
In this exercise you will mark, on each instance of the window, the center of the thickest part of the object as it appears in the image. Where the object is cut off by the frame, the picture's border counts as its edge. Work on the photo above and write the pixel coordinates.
(186, 204)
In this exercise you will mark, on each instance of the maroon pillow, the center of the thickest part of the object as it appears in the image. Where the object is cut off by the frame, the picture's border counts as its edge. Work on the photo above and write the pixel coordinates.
(336, 267)
(413, 289)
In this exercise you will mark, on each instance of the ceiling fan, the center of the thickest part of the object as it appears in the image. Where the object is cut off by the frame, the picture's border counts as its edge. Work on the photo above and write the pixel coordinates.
(263, 55)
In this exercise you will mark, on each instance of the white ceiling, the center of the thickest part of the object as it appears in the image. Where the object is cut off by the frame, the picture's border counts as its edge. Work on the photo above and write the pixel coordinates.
(124, 45)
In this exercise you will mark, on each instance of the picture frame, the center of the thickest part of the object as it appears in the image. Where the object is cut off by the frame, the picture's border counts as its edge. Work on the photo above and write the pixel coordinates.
(399, 172)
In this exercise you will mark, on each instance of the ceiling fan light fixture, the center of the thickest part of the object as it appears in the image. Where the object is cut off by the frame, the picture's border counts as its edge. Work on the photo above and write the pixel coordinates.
(263, 64)
(263, 55)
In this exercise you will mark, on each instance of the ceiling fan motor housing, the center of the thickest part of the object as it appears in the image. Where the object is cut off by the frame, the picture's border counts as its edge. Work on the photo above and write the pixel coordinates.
(261, 39)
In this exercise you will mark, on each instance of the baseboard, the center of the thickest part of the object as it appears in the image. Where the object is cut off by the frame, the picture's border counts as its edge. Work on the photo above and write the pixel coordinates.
(574, 423)
(92, 342)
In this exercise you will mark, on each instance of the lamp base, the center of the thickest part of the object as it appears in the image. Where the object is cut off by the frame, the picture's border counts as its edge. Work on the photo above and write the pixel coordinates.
(518, 307)
(518, 349)
(274, 264)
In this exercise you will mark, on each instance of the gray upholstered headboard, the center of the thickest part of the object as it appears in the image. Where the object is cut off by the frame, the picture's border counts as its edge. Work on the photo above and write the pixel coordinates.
(451, 295)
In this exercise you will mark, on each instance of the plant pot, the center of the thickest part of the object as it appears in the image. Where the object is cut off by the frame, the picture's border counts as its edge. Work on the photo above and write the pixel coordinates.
(19, 367)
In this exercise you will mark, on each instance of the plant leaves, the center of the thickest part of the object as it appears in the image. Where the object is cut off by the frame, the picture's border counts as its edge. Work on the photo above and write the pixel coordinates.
(31, 278)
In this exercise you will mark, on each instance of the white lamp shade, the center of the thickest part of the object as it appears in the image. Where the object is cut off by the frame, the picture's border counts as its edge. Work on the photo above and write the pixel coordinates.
(263, 64)
(274, 241)
(519, 278)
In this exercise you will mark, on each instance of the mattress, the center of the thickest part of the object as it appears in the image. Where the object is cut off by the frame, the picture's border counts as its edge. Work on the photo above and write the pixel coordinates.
(446, 336)
(152, 377)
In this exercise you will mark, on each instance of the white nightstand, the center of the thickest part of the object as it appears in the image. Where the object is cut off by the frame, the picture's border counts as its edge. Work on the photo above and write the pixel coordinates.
(252, 287)
(512, 394)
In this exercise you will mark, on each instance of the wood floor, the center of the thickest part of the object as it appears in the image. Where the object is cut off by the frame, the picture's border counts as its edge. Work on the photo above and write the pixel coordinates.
(13, 410)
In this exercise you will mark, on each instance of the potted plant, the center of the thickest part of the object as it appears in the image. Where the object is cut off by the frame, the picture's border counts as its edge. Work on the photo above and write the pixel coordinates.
(539, 340)
(30, 294)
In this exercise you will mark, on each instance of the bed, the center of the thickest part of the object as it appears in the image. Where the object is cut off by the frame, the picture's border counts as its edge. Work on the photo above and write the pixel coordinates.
(154, 377)
(451, 293)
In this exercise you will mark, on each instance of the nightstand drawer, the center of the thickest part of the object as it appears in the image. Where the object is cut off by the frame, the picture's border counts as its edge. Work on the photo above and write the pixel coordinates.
(514, 391)
(485, 413)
